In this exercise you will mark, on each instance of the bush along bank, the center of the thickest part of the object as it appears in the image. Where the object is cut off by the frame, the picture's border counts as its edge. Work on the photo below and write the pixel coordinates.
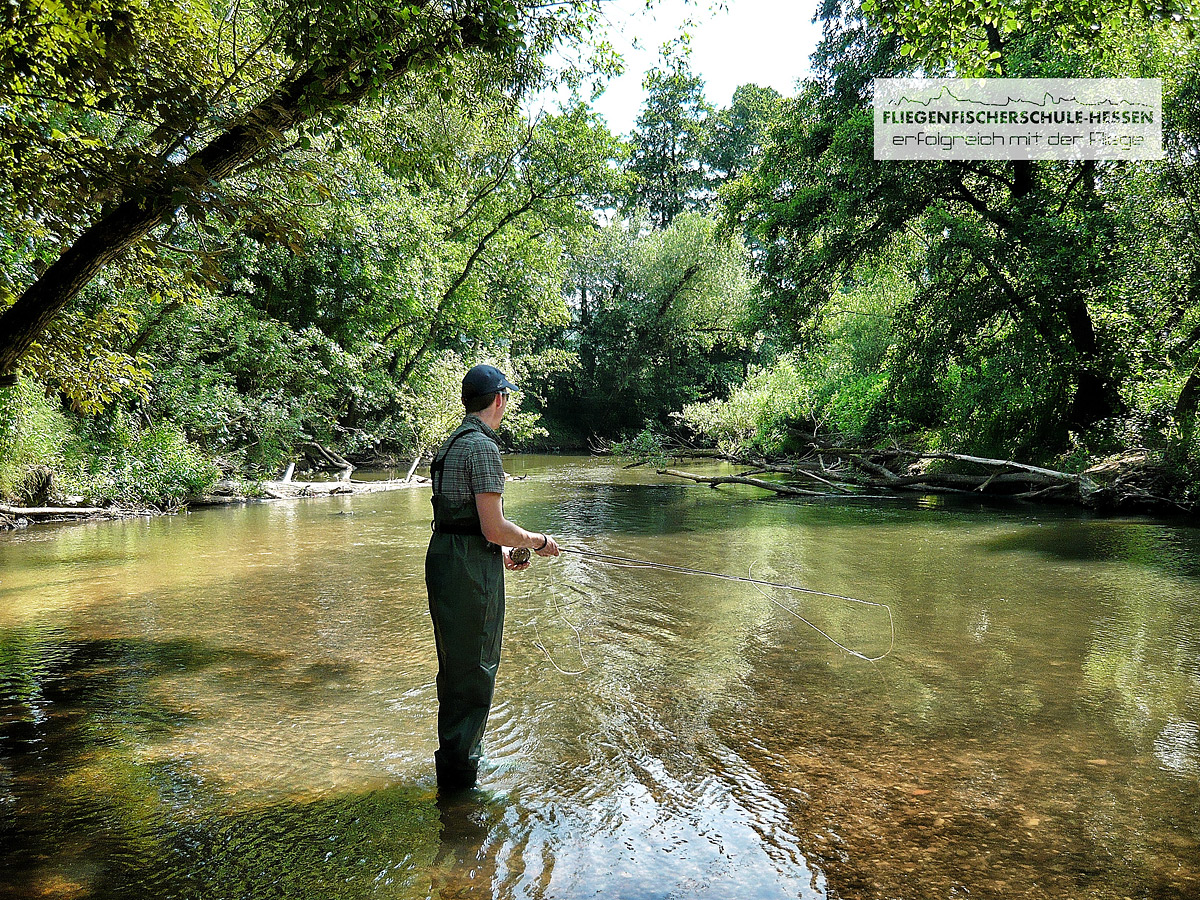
(57, 466)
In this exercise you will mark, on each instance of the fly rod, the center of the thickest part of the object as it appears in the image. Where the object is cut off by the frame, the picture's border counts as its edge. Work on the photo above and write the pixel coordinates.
(757, 583)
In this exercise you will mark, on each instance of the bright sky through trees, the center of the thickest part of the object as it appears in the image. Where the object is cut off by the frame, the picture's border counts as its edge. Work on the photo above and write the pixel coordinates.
(765, 42)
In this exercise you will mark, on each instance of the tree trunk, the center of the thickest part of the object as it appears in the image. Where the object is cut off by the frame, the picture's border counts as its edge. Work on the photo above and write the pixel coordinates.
(99, 245)
(130, 221)
(401, 376)
(151, 327)
(1188, 402)
(1095, 397)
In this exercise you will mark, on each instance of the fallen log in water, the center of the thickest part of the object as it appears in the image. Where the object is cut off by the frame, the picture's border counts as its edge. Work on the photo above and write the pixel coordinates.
(828, 478)
(783, 490)
(713, 481)
(325, 458)
(1134, 479)
(296, 489)
(281, 490)
(14, 517)
(1000, 476)
(870, 468)
(49, 512)
(229, 492)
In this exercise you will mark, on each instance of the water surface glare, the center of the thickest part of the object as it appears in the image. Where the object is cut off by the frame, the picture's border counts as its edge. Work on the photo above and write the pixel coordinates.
(239, 703)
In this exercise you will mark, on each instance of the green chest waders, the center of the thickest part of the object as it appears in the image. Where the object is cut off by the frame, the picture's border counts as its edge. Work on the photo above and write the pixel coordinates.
(464, 574)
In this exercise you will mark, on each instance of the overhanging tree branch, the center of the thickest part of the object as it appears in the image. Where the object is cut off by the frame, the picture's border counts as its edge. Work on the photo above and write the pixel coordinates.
(319, 89)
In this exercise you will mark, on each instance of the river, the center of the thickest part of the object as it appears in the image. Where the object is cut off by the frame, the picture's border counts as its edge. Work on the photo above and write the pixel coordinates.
(239, 702)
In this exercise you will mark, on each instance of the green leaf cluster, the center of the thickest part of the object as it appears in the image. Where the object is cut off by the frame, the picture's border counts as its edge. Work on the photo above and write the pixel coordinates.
(33, 431)
(661, 322)
(966, 37)
(116, 460)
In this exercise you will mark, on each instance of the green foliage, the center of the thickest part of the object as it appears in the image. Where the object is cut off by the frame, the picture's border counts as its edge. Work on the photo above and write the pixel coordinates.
(841, 384)
(83, 352)
(536, 371)
(668, 143)
(476, 246)
(103, 92)
(402, 226)
(89, 82)
(662, 321)
(354, 330)
(115, 461)
(433, 408)
(648, 446)
(755, 415)
(144, 118)
(302, 296)
(966, 36)
(1019, 321)
(106, 460)
(866, 373)
(738, 134)
(32, 434)
(247, 387)
(1001, 406)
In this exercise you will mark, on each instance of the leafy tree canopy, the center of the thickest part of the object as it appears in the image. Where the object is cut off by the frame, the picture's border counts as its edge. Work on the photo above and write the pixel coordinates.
(965, 37)
(1022, 279)
(668, 142)
(127, 117)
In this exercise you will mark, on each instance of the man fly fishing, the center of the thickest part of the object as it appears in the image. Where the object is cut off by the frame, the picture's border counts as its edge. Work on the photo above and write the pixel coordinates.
(469, 550)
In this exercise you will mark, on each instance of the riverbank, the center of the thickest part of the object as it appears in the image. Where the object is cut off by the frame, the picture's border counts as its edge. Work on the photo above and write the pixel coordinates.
(1133, 482)
(224, 493)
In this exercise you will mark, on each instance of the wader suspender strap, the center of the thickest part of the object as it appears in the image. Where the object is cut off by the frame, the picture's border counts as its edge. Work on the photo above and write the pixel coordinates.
(436, 471)
(438, 465)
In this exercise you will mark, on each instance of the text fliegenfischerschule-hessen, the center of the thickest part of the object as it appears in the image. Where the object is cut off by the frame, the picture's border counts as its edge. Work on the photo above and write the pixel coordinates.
(1017, 117)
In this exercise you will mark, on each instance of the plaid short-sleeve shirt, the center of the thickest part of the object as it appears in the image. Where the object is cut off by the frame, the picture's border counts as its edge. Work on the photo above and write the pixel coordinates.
(473, 464)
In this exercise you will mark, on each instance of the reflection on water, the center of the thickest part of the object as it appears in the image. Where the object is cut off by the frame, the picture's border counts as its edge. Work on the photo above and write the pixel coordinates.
(239, 703)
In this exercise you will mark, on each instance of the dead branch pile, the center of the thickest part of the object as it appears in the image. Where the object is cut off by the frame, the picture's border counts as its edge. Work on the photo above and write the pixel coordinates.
(321, 457)
(1131, 480)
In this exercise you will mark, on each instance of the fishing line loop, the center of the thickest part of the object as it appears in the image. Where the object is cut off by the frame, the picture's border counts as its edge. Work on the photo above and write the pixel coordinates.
(836, 643)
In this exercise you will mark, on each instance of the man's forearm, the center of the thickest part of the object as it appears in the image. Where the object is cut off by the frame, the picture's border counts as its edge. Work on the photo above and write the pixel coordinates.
(498, 529)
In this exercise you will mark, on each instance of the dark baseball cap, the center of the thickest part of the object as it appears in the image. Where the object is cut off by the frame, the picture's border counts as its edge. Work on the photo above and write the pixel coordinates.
(485, 379)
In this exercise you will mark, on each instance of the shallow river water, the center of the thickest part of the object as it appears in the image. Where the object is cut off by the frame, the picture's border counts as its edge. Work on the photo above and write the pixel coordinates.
(239, 703)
